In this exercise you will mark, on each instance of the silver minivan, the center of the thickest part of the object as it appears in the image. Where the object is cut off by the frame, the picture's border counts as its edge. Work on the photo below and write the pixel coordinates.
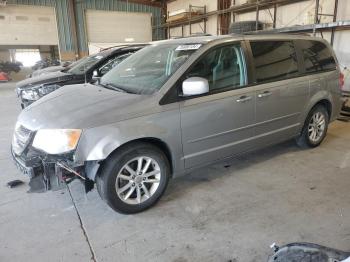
(175, 106)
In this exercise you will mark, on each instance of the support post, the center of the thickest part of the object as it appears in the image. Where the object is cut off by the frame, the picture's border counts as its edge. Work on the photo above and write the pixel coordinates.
(334, 20)
(257, 16)
(205, 20)
(274, 15)
(189, 21)
(72, 13)
(317, 6)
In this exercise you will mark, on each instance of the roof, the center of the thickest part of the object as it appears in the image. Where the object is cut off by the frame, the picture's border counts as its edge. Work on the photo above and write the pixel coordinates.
(207, 39)
(278, 36)
(121, 47)
(193, 39)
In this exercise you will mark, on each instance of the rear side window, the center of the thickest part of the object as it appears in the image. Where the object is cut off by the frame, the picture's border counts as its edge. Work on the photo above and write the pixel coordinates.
(274, 60)
(317, 56)
(223, 67)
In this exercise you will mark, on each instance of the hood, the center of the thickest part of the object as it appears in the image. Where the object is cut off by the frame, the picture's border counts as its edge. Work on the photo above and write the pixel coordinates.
(47, 70)
(84, 106)
(50, 78)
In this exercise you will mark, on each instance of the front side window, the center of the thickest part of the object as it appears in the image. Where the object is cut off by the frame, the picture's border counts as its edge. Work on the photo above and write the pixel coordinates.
(223, 67)
(317, 56)
(274, 60)
(83, 65)
(146, 71)
(111, 63)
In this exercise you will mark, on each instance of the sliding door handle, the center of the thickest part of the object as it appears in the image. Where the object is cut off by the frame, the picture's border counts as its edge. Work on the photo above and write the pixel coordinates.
(243, 99)
(264, 94)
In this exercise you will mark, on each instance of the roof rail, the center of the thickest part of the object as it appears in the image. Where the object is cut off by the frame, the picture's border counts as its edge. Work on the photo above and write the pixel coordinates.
(193, 35)
(263, 32)
(123, 45)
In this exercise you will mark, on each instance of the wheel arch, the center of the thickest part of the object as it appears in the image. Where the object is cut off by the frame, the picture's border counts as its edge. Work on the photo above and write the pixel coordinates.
(327, 104)
(160, 144)
(323, 98)
(320, 98)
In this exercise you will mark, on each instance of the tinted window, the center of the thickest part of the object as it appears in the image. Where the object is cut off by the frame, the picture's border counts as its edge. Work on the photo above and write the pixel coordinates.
(274, 60)
(317, 56)
(223, 67)
(84, 64)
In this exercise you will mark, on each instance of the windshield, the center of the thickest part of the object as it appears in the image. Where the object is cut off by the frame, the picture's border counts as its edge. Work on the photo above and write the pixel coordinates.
(147, 70)
(83, 65)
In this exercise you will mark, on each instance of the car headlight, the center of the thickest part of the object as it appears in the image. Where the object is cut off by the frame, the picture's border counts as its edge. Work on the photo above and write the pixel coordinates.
(56, 141)
(46, 89)
(35, 92)
(30, 94)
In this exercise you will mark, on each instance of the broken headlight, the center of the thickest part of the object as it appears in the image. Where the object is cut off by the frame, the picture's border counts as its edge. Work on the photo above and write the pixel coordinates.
(30, 94)
(56, 141)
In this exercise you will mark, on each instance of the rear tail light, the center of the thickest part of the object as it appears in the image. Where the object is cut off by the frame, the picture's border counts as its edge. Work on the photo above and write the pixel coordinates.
(341, 81)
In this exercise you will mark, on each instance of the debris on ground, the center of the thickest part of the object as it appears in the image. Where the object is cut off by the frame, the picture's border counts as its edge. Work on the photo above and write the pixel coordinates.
(14, 183)
(307, 252)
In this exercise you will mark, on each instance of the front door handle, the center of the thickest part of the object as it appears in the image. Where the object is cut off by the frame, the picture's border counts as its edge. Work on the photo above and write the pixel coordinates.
(265, 94)
(244, 99)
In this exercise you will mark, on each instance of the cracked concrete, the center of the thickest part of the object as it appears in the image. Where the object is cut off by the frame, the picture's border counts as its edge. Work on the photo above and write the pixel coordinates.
(230, 211)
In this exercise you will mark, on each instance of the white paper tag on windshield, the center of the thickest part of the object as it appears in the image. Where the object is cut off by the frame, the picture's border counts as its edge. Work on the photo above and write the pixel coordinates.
(98, 57)
(188, 47)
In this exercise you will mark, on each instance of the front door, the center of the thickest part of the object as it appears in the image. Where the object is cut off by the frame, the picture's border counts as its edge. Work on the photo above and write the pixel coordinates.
(220, 123)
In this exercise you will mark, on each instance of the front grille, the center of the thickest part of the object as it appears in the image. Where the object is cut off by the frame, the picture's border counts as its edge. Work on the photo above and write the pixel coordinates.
(21, 139)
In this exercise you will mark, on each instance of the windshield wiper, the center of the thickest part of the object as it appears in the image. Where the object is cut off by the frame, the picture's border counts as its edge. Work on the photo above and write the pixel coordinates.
(114, 87)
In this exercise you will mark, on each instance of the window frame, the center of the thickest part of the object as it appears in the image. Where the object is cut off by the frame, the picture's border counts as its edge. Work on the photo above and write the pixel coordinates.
(303, 67)
(252, 61)
(109, 57)
(173, 94)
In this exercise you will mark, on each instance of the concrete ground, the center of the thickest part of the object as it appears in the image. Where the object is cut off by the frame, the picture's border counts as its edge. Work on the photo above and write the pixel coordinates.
(229, 212)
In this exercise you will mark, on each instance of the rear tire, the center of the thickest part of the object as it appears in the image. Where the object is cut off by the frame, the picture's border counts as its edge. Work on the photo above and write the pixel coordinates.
(315, 128)
(134, 178)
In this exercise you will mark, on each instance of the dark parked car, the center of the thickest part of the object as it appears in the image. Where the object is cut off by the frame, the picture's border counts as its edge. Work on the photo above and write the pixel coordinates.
(32, 89)
(50, 69)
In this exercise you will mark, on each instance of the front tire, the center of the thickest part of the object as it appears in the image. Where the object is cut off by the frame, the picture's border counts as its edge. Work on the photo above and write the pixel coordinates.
(134, 178)
(315, 128)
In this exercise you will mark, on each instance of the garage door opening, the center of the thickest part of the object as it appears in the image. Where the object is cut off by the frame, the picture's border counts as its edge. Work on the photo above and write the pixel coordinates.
(111, 28)
(28, 57)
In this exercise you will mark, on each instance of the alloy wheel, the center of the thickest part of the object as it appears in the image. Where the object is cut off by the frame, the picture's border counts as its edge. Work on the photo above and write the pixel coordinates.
(138, 180)
(317, 126)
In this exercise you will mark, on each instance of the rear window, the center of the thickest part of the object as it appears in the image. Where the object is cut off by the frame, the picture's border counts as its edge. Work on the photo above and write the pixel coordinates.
(317, 56)
(274, 60)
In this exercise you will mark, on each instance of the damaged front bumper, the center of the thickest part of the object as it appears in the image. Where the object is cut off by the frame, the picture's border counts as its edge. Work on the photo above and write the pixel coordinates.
(48, 172)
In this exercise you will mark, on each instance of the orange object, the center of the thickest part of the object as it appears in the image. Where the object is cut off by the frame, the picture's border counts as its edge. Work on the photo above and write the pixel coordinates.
(4, 77)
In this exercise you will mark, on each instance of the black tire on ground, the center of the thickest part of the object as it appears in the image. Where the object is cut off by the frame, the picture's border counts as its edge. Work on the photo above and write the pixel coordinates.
(304, 140)
(107, 178)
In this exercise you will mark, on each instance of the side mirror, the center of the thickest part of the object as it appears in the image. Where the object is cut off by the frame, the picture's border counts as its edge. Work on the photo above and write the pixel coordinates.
(95, 76)
(195, 86)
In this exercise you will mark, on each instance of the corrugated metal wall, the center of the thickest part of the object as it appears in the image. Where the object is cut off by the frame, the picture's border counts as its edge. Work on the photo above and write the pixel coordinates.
(64, 21)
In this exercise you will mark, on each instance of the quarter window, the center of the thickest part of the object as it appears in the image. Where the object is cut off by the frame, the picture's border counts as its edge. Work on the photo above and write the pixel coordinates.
(223, 67)
(274, 60)
(317, 56)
